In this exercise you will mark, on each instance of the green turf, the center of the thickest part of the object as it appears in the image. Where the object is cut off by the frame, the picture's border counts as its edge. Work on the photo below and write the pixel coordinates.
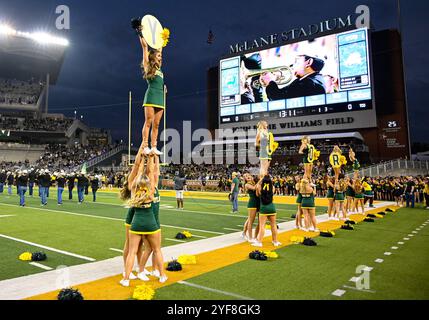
(315, 272)
(90, 229)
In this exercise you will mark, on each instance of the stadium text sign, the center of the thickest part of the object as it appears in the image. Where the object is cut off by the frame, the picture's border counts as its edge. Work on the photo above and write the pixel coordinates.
(307, 31)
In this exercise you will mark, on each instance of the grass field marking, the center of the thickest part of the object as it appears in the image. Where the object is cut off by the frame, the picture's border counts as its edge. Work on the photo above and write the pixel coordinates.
(47, 248)
(379, 260)
(400, 242)
(107, 218)
(186, 283)
(406, 239)
(232, 229)
(116, 250)
(175, 240)
(395, 248)
(197, 236)
(8, 215)
(414, 231)
(39, 265)
(338, 292)
(387, 253)
(354, 288)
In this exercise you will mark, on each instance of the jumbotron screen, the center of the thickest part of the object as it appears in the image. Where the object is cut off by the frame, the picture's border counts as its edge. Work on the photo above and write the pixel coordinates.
(326, 77)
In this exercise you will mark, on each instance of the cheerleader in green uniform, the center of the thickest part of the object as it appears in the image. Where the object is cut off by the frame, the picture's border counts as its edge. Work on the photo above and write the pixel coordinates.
(306, 149)
(350, 194)
(252, 208)
(144, 225)
(265, 190)
(308, 206)
(330, 196)
(357, 186)
(262, 143)
(339, 189)
(356, 165)
(299, 215)
(154, 99)
(125, 194)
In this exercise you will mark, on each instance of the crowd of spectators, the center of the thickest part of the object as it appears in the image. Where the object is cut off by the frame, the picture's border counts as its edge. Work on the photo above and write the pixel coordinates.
(20, 92)
(32, 124)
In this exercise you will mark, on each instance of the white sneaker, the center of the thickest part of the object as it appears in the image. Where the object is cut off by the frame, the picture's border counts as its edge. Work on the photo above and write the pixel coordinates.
(146, 150)
(147, 272)
(276, 243)
(163, 279)
(142, 276)
(156, 273)
(251, 240)
(125, 283)
(155, 151)
(316, 230)
(132, 276)
(256, 243)
(304, 229)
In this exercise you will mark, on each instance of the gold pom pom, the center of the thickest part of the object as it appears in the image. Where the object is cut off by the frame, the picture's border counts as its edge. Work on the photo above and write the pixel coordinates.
(165, 34)
(187, 234)
(297, 239)
(26, 256)
(271, 254)
(187, 259)
(143, 292)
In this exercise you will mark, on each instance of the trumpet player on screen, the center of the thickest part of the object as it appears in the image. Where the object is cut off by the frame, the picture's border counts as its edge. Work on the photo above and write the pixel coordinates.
(308, 80)
(250, 92)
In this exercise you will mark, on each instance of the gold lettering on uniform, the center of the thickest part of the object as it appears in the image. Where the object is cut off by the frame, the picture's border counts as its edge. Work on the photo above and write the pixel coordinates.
(266, 186)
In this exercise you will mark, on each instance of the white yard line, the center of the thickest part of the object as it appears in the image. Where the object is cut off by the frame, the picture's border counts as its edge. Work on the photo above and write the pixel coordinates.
(117, 250)
(48, 248)
(232, 229)
(186, 283)
(9, 215)
(39, 265)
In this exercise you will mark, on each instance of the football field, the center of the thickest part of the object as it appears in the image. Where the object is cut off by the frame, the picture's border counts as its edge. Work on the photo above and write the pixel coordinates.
(392, 250)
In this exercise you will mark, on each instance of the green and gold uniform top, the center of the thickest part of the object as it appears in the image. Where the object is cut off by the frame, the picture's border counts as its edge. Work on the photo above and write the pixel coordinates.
(308, 154)
(154, 96)
(155, 205)
(330, 194)
(254, 201)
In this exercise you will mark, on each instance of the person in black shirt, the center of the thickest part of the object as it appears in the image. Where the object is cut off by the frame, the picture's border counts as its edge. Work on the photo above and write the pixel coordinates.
(308, 80)
(409, 192)
(94, 186)
(31, 179)
(61, 181)
(81, 181)
(21, 183)
(3, 177)
(44, 183)
(70, 183)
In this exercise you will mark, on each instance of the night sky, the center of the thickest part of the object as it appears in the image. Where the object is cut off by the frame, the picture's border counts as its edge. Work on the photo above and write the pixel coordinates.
(102, 61)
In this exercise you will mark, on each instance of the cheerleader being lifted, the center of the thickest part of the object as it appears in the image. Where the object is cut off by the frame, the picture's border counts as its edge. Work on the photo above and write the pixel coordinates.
(266, 146)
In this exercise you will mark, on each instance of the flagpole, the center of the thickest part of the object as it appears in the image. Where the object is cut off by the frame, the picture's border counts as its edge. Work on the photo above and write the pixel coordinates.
(129, 128)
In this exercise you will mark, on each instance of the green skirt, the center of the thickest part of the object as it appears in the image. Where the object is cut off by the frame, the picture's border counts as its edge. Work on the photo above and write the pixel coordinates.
(267, 210)
(253, 203)
(368, 193)
(154, 98)
(299, 198)
(144, 221)
(308, 203)
(359, 196)
(330, 194)
(129, 217)
(339, 196)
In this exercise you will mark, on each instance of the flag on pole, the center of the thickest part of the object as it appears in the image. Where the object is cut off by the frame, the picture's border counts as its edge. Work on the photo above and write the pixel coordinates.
(210, 37)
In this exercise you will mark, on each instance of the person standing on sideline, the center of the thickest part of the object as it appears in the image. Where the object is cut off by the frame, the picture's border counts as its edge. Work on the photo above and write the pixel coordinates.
(409, 192)
(235, 185)
(10, 180)
(426, 192)
(81, 181)
(70, 183)
(44, 183)
(61, 181)
(31, 179)
(21, 184)
(95, 182)
(179, 186)
(2, 180)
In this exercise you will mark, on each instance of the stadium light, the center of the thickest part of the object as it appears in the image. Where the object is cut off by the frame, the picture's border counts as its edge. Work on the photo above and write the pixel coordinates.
(7, 30)
(45, 38)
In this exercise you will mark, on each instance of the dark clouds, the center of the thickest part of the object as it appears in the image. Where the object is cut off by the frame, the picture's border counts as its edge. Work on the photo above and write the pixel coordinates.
(102, 62)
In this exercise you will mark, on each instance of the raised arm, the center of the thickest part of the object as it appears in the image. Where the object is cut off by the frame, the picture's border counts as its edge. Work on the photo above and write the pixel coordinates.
(145, 49)
(136, 166)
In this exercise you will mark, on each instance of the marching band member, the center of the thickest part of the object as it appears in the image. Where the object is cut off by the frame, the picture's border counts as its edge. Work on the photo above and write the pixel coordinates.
(61, 181)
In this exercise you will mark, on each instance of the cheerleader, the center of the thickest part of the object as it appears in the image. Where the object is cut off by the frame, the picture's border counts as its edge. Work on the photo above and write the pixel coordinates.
(358, 199)
(299, 215)
(336, 159)
(398, 192)
(368, 193)
(153, 102)
(252, 207)
(261, 144)
(125, 194)
(144, 225)
(350, 194)
(339, 189)
(308, 206)
(356, 165)
(308, 150)
(330, 196)
(264, 189)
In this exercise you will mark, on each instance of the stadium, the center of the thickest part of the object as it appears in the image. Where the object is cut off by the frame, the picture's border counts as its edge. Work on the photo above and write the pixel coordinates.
(296, 181)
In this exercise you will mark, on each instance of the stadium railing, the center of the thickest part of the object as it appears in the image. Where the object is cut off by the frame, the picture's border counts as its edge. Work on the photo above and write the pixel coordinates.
(394, 166)
(94, 161)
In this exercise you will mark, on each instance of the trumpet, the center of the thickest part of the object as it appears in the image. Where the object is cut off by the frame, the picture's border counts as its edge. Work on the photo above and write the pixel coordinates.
(285, 75)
